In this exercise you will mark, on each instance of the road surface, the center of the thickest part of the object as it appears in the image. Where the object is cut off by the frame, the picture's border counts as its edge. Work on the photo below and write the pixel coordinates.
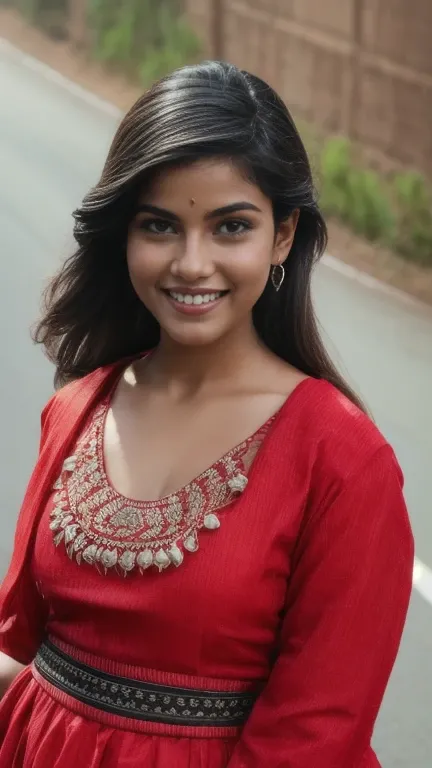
(52, 144)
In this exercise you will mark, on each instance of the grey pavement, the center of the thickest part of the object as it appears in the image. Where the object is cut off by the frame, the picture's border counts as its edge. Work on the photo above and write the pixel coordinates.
(52, 145)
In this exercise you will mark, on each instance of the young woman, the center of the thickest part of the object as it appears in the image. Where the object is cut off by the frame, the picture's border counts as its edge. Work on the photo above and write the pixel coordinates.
(213, 560)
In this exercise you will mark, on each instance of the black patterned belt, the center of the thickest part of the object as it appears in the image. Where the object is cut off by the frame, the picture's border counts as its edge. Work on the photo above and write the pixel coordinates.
(139, 700)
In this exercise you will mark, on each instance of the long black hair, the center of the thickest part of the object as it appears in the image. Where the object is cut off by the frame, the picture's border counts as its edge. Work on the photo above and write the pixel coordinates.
(93, 316)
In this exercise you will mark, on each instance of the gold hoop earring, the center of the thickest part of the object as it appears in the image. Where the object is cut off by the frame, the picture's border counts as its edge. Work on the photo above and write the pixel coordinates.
(278, 276)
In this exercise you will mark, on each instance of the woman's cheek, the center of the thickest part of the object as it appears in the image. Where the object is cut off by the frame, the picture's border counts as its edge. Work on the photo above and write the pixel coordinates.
(141, 259)
(249, 264)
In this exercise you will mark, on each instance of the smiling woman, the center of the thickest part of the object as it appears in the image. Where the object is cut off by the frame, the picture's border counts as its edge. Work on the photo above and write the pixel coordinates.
(211, 261)
(205, 447)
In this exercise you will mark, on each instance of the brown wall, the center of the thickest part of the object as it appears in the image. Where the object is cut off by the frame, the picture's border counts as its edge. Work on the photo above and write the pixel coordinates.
(361, 67)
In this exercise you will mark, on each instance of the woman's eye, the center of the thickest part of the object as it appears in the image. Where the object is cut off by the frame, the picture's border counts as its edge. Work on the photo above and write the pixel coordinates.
(158, 227)
(234, 227)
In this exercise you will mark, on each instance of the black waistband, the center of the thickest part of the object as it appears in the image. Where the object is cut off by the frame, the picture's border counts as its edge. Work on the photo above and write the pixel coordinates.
(140, 700)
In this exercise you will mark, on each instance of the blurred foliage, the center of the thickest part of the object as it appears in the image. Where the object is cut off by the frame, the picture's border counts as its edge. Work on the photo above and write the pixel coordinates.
(180, 46)
(354, 194)
(50, 15)
(146, 39)
(413, 196)
(395, 210)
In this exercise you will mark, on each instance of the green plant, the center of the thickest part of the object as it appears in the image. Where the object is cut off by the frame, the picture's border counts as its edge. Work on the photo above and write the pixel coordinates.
(355, 195)
(413, 195)
(335, 167)
(30, 9)
(370, 209)
(115, 43)
(180, 45)
(50, 15)
(144, 38)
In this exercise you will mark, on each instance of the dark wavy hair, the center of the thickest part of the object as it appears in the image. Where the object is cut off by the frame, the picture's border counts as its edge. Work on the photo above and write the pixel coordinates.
(93, 316)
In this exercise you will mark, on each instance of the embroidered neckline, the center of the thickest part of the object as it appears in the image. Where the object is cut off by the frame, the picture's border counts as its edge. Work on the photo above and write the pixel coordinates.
(101, 527)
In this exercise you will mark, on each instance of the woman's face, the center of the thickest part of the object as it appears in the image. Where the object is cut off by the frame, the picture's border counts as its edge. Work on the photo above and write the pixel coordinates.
(200, 248)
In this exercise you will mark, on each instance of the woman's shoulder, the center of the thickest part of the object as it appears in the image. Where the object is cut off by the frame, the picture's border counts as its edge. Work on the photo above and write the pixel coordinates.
(327, 432)
(78, 392)
(90, 384)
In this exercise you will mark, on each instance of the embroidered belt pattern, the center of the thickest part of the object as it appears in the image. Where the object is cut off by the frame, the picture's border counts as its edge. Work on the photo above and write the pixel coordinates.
(101, 527)
(140, 700)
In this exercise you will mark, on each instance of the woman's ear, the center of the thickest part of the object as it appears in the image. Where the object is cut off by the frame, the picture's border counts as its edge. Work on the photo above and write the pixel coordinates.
(285, 238)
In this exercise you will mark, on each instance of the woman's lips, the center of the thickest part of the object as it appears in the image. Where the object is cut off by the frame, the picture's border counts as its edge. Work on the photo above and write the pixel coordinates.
(194, 302)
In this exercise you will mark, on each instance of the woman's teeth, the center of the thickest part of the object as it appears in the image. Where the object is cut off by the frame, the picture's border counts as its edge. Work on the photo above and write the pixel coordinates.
(200, 298)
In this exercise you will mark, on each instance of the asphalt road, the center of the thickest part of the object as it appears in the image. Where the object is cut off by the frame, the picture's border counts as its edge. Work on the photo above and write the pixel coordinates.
(52, 144)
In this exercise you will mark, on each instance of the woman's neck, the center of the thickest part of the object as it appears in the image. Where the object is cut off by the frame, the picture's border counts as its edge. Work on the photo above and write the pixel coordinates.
(188, 370)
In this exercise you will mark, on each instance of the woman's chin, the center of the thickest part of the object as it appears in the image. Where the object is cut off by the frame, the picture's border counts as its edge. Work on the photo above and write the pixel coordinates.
(193, 336)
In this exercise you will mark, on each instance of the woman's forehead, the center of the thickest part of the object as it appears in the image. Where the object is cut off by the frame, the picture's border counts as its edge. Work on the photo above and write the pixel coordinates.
(217, 181)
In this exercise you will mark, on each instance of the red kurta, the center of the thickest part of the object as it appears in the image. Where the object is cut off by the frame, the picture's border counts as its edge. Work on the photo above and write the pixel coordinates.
(303, 590)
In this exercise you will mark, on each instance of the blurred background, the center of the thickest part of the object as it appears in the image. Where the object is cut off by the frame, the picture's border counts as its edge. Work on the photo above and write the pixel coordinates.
(357, 75)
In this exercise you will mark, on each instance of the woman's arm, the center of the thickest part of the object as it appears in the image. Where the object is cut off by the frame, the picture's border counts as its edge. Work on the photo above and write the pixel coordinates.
(346, 608)
(9, 669)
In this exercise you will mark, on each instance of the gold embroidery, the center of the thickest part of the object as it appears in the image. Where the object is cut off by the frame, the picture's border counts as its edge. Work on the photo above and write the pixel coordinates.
(104, 529)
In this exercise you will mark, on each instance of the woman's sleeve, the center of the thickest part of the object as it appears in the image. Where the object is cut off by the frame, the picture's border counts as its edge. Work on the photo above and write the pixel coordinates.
(23, 612)
(346, 607)
(22, 630)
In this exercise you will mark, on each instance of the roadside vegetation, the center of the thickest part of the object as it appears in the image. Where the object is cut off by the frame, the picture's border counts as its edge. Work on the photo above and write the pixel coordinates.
(393, 210)
(145, 39)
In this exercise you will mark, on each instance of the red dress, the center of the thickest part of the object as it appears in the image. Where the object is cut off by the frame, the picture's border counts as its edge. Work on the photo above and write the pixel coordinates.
(301, 594)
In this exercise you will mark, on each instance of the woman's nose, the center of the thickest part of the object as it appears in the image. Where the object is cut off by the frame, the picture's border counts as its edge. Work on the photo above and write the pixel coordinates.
(192, 262)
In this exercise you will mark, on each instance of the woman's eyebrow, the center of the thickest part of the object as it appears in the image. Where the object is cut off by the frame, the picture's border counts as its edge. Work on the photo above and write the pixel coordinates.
(233, 208)
(224, 211)
(154, 209)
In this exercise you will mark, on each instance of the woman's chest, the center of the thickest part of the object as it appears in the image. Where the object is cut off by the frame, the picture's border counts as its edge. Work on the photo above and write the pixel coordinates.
(153, 449)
